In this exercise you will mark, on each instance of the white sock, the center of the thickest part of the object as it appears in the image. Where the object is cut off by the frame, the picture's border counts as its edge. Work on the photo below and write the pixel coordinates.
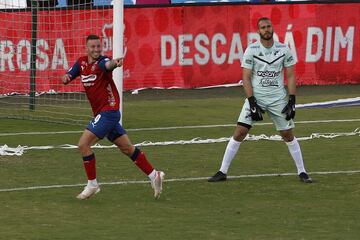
(92, 183)
(152, 175)
(230, 152)
(295, 151)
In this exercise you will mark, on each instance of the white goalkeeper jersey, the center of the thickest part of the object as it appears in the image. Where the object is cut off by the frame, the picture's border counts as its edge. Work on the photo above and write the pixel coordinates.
(267, 65)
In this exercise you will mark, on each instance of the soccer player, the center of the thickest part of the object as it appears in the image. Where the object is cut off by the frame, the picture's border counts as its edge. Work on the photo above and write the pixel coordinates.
(95, 72)
(264, 64)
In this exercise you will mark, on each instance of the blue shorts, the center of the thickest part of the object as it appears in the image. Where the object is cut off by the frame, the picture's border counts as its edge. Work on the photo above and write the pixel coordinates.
(107, 124)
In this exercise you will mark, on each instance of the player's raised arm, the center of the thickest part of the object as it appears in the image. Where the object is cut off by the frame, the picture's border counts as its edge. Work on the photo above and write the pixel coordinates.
(114, 63)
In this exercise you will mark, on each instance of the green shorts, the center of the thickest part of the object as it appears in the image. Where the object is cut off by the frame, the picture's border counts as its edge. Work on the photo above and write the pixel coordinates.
(273, 110)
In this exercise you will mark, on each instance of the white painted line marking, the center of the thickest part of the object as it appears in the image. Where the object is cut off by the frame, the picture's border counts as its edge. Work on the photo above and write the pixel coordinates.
(180, 127)
(174, 180)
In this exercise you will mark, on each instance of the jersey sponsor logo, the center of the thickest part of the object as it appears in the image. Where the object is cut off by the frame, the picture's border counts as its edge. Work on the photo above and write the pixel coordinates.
(267, 82)
(290, 59)
(88, 78)
(268, 73)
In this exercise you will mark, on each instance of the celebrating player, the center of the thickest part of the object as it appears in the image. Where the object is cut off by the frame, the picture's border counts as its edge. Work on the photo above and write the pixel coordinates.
(263, 79)
(95, 72)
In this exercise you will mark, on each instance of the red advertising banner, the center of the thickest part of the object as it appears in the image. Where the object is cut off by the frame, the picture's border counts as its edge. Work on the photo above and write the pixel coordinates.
(185, 46)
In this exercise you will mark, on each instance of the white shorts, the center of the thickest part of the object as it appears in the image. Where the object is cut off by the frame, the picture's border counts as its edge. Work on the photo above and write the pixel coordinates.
(273, 110)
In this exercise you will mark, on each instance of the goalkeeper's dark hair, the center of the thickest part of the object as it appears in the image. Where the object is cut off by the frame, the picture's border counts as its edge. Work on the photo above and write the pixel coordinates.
(92, 37)
(263, 19)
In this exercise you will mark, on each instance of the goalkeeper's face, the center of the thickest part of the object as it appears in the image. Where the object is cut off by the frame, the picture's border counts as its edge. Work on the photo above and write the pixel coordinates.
(265, 30)
(93, 48)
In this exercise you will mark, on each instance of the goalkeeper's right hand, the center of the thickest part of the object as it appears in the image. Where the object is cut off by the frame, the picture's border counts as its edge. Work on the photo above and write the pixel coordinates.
(66, 79)
(255, 111)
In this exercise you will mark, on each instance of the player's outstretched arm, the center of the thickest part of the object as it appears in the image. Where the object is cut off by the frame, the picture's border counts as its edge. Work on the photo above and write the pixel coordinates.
(114, 63)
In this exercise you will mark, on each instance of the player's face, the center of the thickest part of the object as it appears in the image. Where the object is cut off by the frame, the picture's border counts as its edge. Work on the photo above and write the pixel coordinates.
(93, 48)
(265, 30)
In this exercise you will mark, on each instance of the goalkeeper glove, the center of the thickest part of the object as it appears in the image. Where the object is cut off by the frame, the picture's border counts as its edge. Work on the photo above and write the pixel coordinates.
(289, 109)
(255, 111)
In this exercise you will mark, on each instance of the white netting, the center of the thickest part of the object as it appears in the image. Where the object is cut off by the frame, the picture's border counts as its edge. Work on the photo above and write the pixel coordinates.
(38, 45)
(20, 150)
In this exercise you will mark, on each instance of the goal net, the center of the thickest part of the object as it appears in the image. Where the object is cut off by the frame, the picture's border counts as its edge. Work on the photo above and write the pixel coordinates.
(38, 44)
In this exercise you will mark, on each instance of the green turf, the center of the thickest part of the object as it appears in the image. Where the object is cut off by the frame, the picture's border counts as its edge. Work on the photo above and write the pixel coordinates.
(246, 208)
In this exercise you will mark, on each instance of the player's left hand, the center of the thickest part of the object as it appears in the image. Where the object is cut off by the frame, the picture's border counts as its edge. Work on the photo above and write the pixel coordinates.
(289, 109)
(66, 79)
(118, 62)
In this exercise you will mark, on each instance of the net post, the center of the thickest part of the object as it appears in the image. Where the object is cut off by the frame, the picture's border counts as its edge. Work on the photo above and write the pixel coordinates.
(34, 7)
(118, 31)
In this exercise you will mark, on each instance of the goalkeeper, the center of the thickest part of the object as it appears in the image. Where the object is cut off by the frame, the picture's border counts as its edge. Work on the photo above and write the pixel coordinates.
(264, 64)
(95, 72)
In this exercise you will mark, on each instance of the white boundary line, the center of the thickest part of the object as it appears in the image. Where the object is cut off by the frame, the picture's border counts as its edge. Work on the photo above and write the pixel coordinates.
(180, 127)
(125, 182)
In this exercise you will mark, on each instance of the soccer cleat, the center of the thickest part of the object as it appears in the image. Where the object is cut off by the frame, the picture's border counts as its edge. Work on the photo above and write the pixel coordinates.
(88, 192)
(156, 184)
(219, 176)
(305, 178)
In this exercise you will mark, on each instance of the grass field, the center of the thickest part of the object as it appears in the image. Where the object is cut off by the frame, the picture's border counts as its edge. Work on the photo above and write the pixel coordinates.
(263, 207)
